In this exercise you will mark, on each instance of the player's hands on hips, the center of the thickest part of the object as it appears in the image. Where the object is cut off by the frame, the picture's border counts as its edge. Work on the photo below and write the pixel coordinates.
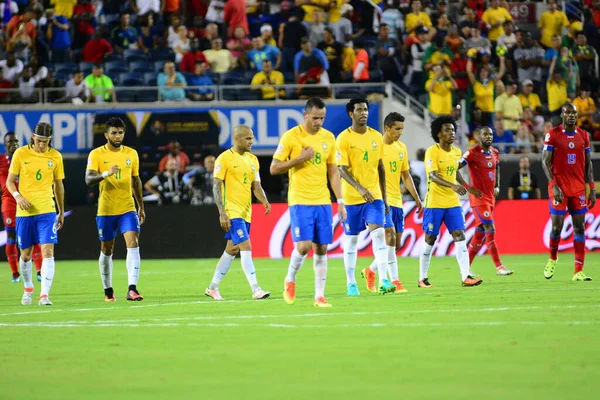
(60, 220)
(22, 202)
(459, 189)
(557, 194)
(267, 206)
(342, 212)
(115, 168)
(224, 221)
(475, 192)
(496, 191)
(141, 215)
(366, 194)
(306, 154)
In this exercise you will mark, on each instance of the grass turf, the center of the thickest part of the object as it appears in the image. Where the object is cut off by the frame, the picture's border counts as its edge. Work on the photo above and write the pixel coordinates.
(512, 337)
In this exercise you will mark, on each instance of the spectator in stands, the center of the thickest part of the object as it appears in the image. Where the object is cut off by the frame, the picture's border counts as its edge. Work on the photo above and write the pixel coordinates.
(25, 18)
(417, 52)
(524, 140)
(200, 181)
(585, 55)
(76, 91)
(440, 88)
(148, 34)
(234, 14)
(343, 27)
(5, 96)
(551, 23)
(261, 52)
(569, 39)
(586, 108)
(316, 29)
(173, 81)
(454, 41)
(308, 6)
(309, 63)
(509, 38)
(553, 51)
(64, 7)
(393, 18)
(437, 54)
(528, 97)
(266, 79)
(266, 33)
(101, 86)
(182, 45)
(145, 7)
(458, 66)
(282, 17)
(476, 41)
(524, 184)
(530, 58)
(200, 79)
(12, 67)
(171, 33)
(211, 32)
(495, 17)
(387, 50)
(484, 87)
(7, 10)
(39, 71)
(97, 49)
(21, 44)
(238, 45)
(57, 34)
(188, 63)
(442, 26)
(221, 60)
(476, 120)
(170, 7)
(334, 51)
(215, 12)
(441, 9)
(469, 21)
(360, 72)
(290, 35)
(85, 23)
(167, 185)
(416, 18)
(503, 140)
(27, 92)
(124, 36)
(508, 108)
(175, 154)
(556, 87)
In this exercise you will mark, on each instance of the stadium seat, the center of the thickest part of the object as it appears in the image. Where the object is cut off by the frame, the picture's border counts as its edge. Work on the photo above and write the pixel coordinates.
(135, 55)
(162, 55)
(289, 77)
(86, 67)
(131, 79)
(232, 78)
(126, 96)
(159, 65)
(150, 79)
(112, 19)
(249, 95)
(247, 77)
(187, 76)
(347, 93)
(114, 76)
(63, 76)
(141, 66)
(116, 66)
(375, 75)
(230, 94)
(114, 56)
(67, 68)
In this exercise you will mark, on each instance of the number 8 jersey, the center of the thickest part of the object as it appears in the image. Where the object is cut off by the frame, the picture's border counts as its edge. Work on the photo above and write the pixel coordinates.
(568, 158)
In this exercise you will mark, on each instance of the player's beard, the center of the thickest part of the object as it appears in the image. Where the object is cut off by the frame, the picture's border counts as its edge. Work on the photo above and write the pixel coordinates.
(113, 144)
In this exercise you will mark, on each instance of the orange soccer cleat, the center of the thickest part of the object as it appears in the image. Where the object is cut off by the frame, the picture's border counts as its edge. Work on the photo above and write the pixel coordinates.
(289, 292)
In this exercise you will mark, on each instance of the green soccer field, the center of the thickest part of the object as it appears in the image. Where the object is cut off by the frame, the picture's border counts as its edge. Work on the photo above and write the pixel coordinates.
(512, 337)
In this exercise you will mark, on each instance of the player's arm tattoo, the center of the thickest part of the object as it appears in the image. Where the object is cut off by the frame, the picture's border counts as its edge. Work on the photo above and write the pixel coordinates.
(218, 195)
(136, 186)
(348, 177)
(93, 177)
(381, 171)
(59, 194)
(589, 169)
(497, 184)
(410, 184)
(546, 160)
(259, 192)
(335, 180)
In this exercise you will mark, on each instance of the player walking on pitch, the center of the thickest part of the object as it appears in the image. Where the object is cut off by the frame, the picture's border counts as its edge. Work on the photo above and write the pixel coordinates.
(441, 203)
(308, 153)
(395, 160)
(484, 170)
(568, 167)
(236, 177)
(40, 171)
(116, 169)
(9, 214)
(360, 161)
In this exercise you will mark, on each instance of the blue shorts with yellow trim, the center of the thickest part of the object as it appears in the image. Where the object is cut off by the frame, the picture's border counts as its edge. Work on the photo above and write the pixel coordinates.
(395, 219)
(239, 231)
(36, 229)
(108, 225)
(359, 215)
(452, 217)
(312, 223)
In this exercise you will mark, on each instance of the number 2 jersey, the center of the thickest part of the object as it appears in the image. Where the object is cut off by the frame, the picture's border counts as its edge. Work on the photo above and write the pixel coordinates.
(446, 164)
(482, 170)
(568, 158)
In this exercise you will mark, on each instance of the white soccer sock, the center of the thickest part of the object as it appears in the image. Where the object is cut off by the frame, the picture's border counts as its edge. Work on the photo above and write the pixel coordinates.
(47, 275)
(462, 256)
(373, 266)
(26, 268)
(320, 267)
(106, 269)
(424, 260)
(392, 265)
(296, 262)
(222, 268)
(249, 270)
(380, 252)
(133, 265)
(350, 245)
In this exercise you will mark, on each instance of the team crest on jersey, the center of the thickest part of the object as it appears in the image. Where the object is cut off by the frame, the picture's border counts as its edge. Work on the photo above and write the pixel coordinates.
(253, 168)
(324, 146)
(582, 201)
(297, 232)
(128, 162)
(50, 163)
(571, 145)
(8, 221)
(402, 156)
(240, 233)
(486, 214)
(218, 168)
(374, 144)
(490, 164)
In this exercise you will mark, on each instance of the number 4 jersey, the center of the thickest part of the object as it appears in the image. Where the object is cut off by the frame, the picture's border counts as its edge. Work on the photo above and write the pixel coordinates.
(568, 158)
(446, 164)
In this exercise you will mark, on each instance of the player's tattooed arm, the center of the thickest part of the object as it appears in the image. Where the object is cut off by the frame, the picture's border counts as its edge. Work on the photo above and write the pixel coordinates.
(93, 177)
(589, 178)
(59, 195)
(348, 177)
(260, 194)
(138, 194)
(546, 161)
(336, 185)
(218, 196)
(381, 172)
(435, 177)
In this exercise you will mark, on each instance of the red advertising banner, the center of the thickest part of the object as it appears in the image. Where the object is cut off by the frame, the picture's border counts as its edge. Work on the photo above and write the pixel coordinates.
(522, 227)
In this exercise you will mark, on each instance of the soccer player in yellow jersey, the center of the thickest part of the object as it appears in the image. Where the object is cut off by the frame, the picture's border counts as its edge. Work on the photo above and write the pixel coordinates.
(40, 171)
(236, 177)
(116, 169)
(395, 160)
(441, 202)
(360, 161)
(308, 153)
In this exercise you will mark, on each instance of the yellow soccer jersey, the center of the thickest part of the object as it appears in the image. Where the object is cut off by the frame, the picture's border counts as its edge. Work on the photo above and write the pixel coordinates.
(446, 163)
(395, 160)
(237, 172)
(37, 173)
(494, 17)
(116, 196)
(361, 154)
(308, 181)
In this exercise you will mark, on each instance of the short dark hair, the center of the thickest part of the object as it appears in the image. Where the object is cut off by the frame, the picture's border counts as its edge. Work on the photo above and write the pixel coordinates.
(77, 71)
(580, 33)
(353, 102)
(8, 134)
(42, 129)
(328, 29)
(436, 125)
(115, 122)
(314, 102)
(421, 154)
(392, 118)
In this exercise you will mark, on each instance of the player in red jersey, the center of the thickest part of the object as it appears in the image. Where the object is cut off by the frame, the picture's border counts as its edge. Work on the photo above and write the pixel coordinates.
(9, 213)
(484, 170)
(568, 167)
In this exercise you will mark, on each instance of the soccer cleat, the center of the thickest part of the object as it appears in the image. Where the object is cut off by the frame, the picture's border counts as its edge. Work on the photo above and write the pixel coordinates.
(386, 287)
(133, 295)
(471, 273)
(549, 270)
(16, 280)
(369, 277)
(27, 298)
(260, 294)
(44, 301)
(213, 294)
(352, 290)
(289, 292)
(322, 303)
(580, 276)
(39, 276)
(503, 271)
(470, 281)
(424, 283)
(109, 299)
(399, 287)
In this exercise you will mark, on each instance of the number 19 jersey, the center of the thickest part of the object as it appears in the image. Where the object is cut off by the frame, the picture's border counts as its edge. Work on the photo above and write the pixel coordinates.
(446, 163)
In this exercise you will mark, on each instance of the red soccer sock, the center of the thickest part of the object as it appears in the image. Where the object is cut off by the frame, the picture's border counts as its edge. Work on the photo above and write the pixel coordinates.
(37, 257)
(12, 255)
(579, 245)
(554, 242)
(475, 244)
(493, 250)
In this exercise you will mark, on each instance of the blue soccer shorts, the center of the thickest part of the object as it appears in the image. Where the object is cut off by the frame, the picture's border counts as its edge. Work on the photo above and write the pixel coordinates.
(453, 218)
(312, 223)
(395, 219)
(359, 215)
(36, 229)
(239, 231)
(108, 225)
